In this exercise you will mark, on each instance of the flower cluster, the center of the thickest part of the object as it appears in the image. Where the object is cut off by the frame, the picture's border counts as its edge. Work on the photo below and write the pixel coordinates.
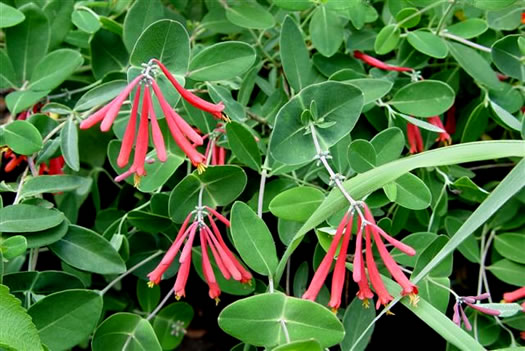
(211, 237)
(459, 313)
(366, 224)
(187, 138)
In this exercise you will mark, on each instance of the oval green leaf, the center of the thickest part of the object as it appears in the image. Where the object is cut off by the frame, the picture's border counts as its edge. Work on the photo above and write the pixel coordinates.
(424, 98)
(428, 43)
(24, 218)
(296, 204)
(22, 137)
(250, 15)
(55, 68)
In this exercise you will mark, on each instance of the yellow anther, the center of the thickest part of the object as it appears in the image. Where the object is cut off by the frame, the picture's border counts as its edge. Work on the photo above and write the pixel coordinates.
(151, 284)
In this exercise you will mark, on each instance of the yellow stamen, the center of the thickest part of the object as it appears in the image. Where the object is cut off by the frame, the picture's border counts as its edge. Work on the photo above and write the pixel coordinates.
(414, 299)
(177, 297)
(217, 300)
(366, 303)
(136, 180)
(151, 284)
(201, 167)
(389, 313)
(226, 118)
(54, 115)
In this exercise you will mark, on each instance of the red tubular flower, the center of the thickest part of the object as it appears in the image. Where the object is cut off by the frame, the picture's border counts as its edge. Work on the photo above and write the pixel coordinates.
(227, 263)
(55, 166)
(158, 139)
(514, 295)
(450, 124)
(129, 134)
(383, 296)
(215, 109)
(444, 136)
(414, 138)
(378, 63)
(14, 160)
(324, 268)
(338, 278)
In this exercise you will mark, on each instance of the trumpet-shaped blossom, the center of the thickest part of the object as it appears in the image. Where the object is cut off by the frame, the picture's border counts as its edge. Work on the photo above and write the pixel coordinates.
(210, 237)
(366, 227)
(183, 134)
(13, 160)
(459, 314)
(372, 61)
(515, 295)
(443, 136)
(215, 109)
(414, 139)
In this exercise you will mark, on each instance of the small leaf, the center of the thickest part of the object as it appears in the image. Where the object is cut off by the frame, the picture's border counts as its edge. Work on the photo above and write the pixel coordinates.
(296, 204)
(361, 155)
(140, 15)
(388, 145)
(257, 320)
(243, 145)
(170, 324)
(412, 192)
(17, 101)
(54, 69)
(253, 240)
(428, 43)
(469, 28)
(356, 319)
(85, 20)
(387, 39)
(66, 318)
(303, 345)
(100, 95)
(424, 98)
(505, 117)
(250, 15)
(326, 30)
(23, 218)
(84, 249)
(69, 145)
(510, 245)
(508, 272)
(10, 16)
(13, 246)
(222, 61)
(22, 137)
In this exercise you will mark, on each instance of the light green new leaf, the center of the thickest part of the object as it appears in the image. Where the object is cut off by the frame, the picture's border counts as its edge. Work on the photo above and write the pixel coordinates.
(69, 145)
(10, 16)
(327, 31)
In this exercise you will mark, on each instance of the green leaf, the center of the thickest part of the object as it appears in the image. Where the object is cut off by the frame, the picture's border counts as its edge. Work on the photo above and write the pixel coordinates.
(222, 185)
(69, 145)
(17, 331)
(243, 145)
(296, 204)
(510, 245)
(437, 295)
(148, 222)
(388, 145)
(296, 5)
(41, 283)
(507, 56)
(302, 345)
(8, 77)
(84, 249)
(52, 184)
(467, 189)
(139, 17)
(17, 245)
(326, 30)
(222, 61)
(295, 59)
(475, 65)
(23, 218)
(424, 98)
(108, 53)
(476, 124)
(17, 101)
(100, 95)
(22, 137)
(66, 318)
(508, 272)
(505, 20)
(506, 309)
(28, 41)
(170, 324)
(412, 192)
(167, 41)
(248, 322)
(60, 11)
(428, 43)
(10, 16)
(372, 89)
(357, 317)
(249, 15)
(469, 28)
(85, 20)
(387, 39)
(505, 117)
(148, 297)
(336, 102)
(54, 69)
(253, 240)
(47, 236)
(125, 331)
(374, 179)
(361, 155)
(412, 12)
(469, 247)
(491, 4)
(444, 269)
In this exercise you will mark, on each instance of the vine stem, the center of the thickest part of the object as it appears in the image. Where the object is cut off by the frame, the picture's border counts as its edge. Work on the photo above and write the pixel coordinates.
(260, 205)
(76, 91)
(424, 9)
(120, 277)
(159, 306)
(445, 15)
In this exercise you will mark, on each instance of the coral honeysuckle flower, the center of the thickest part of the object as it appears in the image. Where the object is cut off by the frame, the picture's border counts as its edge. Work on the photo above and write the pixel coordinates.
(414, 139)
(372, 61)
(459, 314)
(54, 166)
(514, 295)
(14, 160)
(343, 235)
(227, 263)
(183, 134)
(444, 136)
(215, 109)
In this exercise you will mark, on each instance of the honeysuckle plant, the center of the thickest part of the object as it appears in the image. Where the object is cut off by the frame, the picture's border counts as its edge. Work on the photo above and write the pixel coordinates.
(295, 175)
